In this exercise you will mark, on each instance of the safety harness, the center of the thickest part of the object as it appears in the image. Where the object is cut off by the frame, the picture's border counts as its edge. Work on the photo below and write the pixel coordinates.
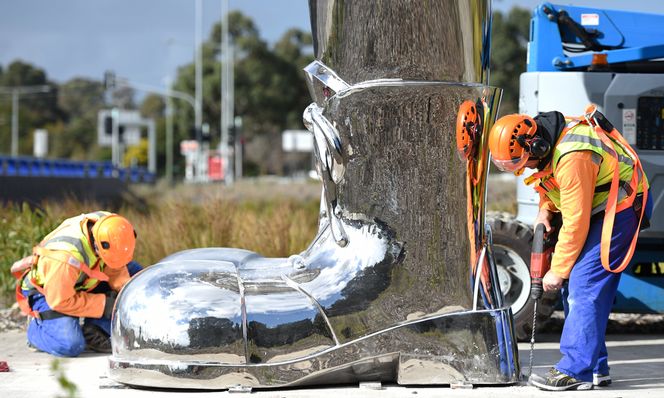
(26, 269)
(622, 194)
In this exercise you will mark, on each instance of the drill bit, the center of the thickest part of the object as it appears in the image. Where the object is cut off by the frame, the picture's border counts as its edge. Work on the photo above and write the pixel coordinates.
(532, 339)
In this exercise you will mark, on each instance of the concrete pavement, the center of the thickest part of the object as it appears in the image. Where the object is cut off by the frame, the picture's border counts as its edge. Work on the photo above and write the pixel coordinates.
(637, 368)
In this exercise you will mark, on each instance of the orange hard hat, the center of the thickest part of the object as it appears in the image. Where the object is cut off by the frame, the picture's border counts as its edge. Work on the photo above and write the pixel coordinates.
(506, 151)
(467, 124)
(115, 240)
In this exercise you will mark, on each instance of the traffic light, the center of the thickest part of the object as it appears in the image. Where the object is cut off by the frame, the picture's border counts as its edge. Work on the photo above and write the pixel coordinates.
(108, 125)
(231, 135)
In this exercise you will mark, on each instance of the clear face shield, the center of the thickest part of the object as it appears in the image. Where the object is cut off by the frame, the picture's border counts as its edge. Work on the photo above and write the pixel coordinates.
(514, 165)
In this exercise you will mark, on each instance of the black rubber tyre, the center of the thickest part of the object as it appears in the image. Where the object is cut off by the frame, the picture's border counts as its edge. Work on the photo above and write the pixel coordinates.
(512, 243)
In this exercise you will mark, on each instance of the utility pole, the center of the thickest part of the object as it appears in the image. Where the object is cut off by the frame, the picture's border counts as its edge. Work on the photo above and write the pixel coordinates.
(14, 123)
(15, 92)
(169, 139)
(227, 94)
(201, 166)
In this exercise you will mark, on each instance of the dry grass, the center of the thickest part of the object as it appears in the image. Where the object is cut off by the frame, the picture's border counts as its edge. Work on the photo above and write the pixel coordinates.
(273, 219)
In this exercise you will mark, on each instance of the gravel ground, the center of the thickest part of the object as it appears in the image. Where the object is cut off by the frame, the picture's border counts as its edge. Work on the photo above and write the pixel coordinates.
(12, 319)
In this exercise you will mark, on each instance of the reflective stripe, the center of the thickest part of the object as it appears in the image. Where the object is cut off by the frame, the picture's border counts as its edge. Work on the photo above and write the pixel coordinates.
(584, 139)
(596, 158)
(72, 241)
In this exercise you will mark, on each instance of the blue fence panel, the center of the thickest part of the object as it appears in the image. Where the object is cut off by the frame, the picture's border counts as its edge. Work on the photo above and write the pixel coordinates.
(34, 167)
(23, 167)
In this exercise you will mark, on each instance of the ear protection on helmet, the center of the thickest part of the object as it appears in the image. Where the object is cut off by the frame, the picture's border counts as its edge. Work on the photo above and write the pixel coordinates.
(536, 146)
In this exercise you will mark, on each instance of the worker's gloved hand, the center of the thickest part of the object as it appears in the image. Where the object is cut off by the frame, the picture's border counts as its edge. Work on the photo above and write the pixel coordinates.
(110, 301)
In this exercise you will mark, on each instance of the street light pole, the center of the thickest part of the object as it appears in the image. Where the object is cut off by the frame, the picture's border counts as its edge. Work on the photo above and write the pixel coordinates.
(227, 101)
(15, 93)
(15, 123)
(198, 113)
(169, 139)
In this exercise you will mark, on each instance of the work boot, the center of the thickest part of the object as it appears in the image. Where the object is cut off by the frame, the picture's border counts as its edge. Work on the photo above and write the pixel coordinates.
(601, 380)
(96, 339)
(393, 286)
(555, 380)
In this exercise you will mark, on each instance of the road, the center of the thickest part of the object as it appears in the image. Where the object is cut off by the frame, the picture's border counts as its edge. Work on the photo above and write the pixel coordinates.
(637, 368)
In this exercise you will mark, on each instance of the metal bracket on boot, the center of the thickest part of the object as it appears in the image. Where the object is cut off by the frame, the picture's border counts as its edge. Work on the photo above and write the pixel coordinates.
(329, 164)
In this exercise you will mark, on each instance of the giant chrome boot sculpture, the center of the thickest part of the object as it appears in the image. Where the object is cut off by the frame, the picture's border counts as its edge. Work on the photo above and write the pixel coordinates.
(399, 283)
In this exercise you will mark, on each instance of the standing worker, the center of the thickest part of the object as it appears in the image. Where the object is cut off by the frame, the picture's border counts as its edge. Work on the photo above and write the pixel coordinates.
(589, 174)
(76, 272)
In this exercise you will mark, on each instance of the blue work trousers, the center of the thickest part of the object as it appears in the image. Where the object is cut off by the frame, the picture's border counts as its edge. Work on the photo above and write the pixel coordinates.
(63, 337)
(588, 298)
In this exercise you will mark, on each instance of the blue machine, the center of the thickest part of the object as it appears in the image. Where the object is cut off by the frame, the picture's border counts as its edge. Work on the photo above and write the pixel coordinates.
(627, 84)
(564, 38)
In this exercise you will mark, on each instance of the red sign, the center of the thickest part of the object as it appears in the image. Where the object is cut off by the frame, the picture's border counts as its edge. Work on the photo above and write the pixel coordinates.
(215, 168)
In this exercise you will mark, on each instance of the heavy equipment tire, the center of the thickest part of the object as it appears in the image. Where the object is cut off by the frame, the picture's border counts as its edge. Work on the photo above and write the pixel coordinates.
(512, 243)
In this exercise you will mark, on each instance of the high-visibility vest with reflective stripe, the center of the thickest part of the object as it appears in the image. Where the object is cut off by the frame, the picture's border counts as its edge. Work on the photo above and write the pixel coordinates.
(582, 137)
(70, 237)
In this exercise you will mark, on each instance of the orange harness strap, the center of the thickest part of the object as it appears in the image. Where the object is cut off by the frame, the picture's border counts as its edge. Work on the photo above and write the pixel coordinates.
(612, 201)
(22, 268)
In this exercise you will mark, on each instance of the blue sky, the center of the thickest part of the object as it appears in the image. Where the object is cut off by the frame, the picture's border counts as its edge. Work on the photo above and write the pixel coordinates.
(146, 40)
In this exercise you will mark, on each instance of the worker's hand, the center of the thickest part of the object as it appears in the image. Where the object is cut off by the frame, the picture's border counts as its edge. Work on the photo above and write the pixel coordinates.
(552, 282)
(544, 217)
(110, 302)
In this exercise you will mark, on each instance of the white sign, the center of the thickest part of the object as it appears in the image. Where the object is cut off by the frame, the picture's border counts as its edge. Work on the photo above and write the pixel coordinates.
(40, 144)
(589, 19)
(629, 125)
(297, 141)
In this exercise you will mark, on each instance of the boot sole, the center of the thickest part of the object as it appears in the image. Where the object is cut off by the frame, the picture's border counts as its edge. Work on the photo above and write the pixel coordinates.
(602, 381)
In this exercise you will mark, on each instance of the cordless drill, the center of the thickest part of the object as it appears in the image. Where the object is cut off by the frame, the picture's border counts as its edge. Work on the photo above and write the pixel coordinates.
(540, 258)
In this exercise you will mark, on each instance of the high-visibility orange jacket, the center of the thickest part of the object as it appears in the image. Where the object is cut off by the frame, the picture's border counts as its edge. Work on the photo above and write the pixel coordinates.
(62, 296)
(576, 175)
(68, 269)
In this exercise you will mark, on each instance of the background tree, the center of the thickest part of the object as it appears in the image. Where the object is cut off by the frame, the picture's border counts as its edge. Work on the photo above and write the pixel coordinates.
(270, 92)
(35, 110)
(508, 55)
(75, 135)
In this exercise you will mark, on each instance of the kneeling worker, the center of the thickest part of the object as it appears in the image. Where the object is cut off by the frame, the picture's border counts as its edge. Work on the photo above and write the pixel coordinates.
(76, 272)
(589, 173)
